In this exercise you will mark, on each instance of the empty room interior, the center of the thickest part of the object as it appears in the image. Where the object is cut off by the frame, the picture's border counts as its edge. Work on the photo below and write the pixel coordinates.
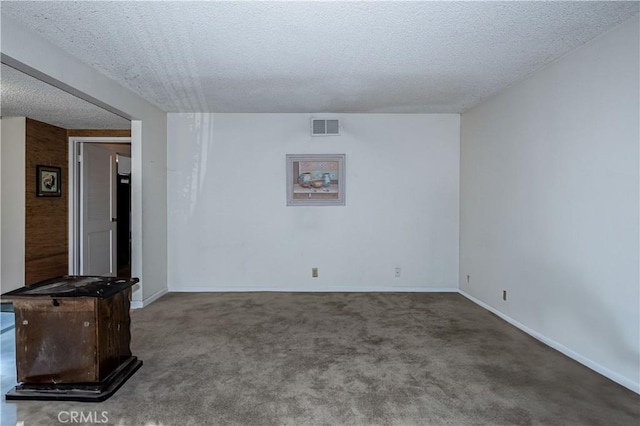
(363, 213)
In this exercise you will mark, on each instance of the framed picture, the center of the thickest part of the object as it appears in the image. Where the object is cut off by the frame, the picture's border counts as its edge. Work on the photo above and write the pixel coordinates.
(48, 181)
(315, 180)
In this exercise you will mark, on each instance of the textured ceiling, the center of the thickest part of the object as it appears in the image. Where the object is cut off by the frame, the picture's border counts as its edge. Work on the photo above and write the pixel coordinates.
(24, 96)
(410, 57)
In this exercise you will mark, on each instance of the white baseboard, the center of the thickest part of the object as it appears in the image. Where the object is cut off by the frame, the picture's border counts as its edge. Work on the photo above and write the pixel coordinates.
(621, 380)
(323, 289)
(139, 304)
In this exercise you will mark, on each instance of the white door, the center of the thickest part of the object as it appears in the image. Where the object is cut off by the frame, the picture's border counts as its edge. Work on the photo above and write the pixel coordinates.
(98, 220)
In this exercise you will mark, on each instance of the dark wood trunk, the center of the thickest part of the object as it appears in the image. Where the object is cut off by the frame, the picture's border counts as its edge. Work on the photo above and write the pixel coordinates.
(71, 340)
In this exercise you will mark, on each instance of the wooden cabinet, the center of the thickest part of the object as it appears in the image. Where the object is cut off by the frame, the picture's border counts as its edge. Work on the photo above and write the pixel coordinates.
(72, 336)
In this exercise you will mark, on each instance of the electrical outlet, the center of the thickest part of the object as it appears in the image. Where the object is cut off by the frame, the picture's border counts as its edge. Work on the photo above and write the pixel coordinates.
(504, 295)
(398, 272)
(314, 272)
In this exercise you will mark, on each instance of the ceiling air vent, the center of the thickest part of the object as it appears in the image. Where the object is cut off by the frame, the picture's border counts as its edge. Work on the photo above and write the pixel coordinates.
(325, 127)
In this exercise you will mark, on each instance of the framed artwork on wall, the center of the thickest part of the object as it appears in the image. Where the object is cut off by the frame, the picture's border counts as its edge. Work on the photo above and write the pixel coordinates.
(315, 179)
(48, 181)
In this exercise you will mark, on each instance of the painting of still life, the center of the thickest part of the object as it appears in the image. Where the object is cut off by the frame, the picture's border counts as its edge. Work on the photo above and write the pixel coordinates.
(315, 180)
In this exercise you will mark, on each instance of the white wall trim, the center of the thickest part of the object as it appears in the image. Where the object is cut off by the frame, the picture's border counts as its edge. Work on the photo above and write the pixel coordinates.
(319, 289)
(621, 380)
(73, 191)
(138, 304)
(12, 203)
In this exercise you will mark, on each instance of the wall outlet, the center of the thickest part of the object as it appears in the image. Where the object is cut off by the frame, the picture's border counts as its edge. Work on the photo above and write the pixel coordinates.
(314, 272)
(398, 272)
(504, 295)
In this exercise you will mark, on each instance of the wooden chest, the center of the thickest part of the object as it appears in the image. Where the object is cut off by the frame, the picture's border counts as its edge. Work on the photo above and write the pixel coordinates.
(71, 330)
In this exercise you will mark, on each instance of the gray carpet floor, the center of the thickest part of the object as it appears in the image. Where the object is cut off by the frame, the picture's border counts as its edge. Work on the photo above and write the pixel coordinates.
(342, 359)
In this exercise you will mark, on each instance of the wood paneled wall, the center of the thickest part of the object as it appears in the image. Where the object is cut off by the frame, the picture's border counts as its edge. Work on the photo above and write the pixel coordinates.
(47, 218)
(46, 228)
(100, 133)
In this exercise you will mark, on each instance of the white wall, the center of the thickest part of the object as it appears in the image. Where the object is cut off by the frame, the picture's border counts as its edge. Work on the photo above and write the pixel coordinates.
(230, 228)
(36, 56)
(549, 204)
(12, 206)
(1, 204)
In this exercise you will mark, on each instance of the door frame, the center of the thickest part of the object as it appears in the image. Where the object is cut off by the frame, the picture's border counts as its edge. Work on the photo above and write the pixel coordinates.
(74, 194)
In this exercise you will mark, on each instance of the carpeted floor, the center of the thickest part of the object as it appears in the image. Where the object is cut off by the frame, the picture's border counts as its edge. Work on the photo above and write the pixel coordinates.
(342, 359)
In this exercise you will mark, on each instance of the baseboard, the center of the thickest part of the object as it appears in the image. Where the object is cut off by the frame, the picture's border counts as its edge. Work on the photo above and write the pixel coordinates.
(323, 289)
(621, 380)
(139, 304)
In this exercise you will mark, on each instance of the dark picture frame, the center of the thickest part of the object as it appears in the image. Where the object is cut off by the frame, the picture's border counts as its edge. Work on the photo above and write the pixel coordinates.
(48, 181)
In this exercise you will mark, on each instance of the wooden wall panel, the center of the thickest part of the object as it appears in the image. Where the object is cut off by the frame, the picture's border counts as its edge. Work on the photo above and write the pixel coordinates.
(98, 133)
(46, 239)
(47, 222)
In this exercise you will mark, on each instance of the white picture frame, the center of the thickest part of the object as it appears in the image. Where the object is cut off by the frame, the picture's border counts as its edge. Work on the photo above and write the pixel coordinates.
(316, 179)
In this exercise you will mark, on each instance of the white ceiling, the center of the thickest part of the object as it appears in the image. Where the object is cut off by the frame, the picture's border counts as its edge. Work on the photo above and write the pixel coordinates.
(406, 57)
(24, 96)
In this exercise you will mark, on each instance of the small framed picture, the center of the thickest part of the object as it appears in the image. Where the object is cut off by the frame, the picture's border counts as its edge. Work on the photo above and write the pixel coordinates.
(315, 180)
(48, 181)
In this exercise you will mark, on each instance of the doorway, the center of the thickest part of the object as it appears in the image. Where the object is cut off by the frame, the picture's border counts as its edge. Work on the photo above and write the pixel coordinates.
(123, 194)
(100, 206)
